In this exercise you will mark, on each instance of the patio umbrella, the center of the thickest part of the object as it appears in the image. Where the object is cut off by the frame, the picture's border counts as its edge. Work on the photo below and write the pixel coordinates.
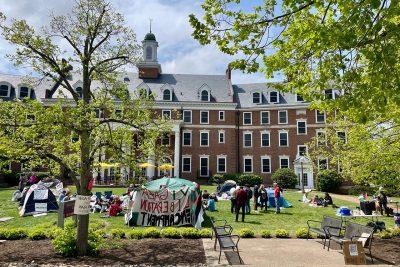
(106, 165)
(145, 165)
(166, 167)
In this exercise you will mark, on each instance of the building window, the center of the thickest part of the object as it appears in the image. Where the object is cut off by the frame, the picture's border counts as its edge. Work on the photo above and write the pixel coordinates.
(329, 94)
(221, 164)
(165, 140)
(204, 166)
(187, 138)
(247, 139)
(299, 98)
(221, 137)
(283, 162)
(203, 117)
(205, 96)
(305, 179)
(221, 115)
(4, 90)
(283, 118)
(204, 138)
(118, 113)
(302, 150)
(322, 164)
(273, 97)
(247, 118)
(265, 139)
(24, 92)
(283, 139)
(187, 116)
(321, 138)
(319, 116)
(79, 91)
(149, 53)
(166, 114)
(256, 98)
(265, 165)
(167, 95)
(186, 164)
(97, 113)
(264, 117)
(248, 164)
(301, 127)
(342, 137)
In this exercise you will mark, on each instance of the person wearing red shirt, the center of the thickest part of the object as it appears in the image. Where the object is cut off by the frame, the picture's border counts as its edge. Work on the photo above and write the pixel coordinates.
(115, 208)
(277, 195)
(241, 199)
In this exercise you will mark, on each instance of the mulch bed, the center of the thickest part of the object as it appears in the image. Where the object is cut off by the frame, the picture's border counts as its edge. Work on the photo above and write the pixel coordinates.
(133, 252)
(387, 250)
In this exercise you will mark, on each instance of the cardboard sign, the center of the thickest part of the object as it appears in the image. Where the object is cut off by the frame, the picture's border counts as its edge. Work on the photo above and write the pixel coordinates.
(82, 205)
(40, 207)
(60, 187)
(353, 252)
(41, 194)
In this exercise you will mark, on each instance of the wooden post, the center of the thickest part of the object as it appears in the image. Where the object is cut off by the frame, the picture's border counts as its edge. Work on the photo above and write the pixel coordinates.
(61, 215)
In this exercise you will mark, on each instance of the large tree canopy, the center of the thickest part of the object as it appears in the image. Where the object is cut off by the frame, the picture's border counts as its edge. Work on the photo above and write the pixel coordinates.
(346, 45)
(94, 41)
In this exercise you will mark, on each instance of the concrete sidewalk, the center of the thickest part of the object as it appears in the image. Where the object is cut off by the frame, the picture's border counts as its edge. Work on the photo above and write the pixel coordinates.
(277, 252)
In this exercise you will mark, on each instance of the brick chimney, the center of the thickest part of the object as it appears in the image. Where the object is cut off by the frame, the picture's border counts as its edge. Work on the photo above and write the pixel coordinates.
(228, 72)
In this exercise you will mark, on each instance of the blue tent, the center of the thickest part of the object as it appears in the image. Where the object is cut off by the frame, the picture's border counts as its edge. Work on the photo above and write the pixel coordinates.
(281, 201)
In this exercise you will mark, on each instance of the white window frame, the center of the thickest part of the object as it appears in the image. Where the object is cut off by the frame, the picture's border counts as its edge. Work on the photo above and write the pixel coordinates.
(223, 115)
(280, 161)
(279, 117)
(201, 95)
(319, 165)
(167, 111)
(244, 164)
(190, 165)
(251, 118)
(19, 91)
(260, 97)
(219, 135)
(261, 115)
(277, 97)
(218, 158)
(269, 138)
(244, 139)
(208, 138)
(183, 137)
(9, 89)
(301, 101)
(208, 165)
(279, 135)
(316, 117)
(208, 116)
(183, 117)
(298, 149)
(333, 94)
(345, 135)
(316, 135)
(170, 94)
(262, 165)
(297, 124)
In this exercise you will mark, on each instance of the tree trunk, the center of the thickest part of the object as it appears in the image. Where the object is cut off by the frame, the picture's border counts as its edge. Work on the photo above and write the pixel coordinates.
(82, 234)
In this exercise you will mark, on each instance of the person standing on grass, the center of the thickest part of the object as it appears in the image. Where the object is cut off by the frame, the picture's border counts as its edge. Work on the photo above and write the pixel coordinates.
(249, 193)
(233, 193)
(277, 195)
(255, 198)
(241, 198)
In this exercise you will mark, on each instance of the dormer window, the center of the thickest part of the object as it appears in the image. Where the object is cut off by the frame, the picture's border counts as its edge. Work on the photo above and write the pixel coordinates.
(167, 95)
(126, 79)
(273, 97)
(329, 94)
(5, 90)
(256, 98)
(79, 91)
(205, 96)
(299, 98)
(24, 92)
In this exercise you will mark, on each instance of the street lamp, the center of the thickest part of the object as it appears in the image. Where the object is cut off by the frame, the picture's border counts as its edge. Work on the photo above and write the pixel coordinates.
(302, 160)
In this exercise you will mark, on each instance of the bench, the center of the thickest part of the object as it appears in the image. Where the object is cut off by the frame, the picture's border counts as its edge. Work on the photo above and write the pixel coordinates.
(220, 230)
(334, 224)
(223, 234)
(353, 232)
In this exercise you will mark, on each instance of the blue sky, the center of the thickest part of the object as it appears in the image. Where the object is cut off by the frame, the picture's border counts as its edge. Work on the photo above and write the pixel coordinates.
(178, 52)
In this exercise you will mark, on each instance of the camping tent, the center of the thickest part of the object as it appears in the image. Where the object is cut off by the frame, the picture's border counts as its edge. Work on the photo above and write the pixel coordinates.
(166, 202)
(227, 186)
(38, 199)
(281, 201)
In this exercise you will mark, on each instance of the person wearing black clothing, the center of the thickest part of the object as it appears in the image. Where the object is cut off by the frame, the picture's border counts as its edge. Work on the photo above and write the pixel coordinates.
(327, 200)
(249, 193)
(382, 201)
(256, 195)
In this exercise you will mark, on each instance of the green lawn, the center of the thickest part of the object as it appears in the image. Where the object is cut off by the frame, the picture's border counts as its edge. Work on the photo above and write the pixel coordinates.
(290, 219)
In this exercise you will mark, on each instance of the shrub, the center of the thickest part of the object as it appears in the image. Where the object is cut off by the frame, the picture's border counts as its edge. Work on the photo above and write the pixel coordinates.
(13, 233)
(205, 233)
(101, 232)
(249, 179)
(231, 176)
(135, 234)
(95, 241)
(285, 177)
(281, 233)
(266, 234)
(303, 233)
(170, 232)
(53, 232)
(65, 242)
(385, 234)
(218, 179)
(246, 233)
(396, 232)
(151, 232)
(328, 181)
(117, 233)
(190, 233)
(37, 234)
(359, 189)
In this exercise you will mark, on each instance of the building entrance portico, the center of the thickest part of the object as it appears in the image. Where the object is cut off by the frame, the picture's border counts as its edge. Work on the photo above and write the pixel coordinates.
(303, 166)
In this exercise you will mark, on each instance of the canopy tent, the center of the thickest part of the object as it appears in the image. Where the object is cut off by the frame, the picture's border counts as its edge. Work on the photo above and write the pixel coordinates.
(38, 199)
(166, 202)
(166, 167)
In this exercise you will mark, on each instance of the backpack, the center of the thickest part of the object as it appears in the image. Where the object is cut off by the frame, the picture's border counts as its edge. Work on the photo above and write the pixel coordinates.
(249, 193)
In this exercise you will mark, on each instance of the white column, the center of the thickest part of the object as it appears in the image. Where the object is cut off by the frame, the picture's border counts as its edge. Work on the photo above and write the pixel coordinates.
(177, 152)
(150, 170)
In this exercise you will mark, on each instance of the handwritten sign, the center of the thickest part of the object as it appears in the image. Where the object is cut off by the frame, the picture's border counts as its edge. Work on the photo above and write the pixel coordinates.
(353, 252)
(82, 205)
(60, 187)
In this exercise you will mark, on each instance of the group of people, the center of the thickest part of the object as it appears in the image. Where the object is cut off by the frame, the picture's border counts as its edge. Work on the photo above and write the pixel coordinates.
(318, 201)
(241, 196)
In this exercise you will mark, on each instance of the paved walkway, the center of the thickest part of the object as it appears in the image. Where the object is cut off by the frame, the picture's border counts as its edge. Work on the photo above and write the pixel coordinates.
(354, 199)
(276, 252)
